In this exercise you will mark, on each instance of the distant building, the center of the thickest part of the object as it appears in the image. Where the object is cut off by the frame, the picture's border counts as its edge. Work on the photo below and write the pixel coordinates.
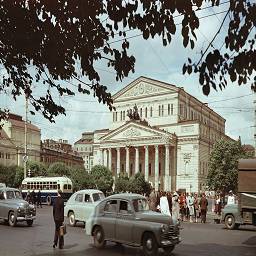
(249, 149)
(8, 152)
(59, 151)
(13, 140)
(84, 147)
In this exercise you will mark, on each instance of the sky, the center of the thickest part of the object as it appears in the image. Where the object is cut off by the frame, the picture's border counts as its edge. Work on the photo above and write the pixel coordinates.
(153, 60)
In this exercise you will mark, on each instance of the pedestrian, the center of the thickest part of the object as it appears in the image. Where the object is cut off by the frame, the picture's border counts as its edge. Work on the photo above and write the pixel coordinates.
(203, 208)
(164, 205)
(58, 216)
(33, 197)
(28, 197)
(39, 199)
(175, 206)
(231, 197)
(169, 198)
(196, 207)
(182, 204)
(152, 200)
(190, 204)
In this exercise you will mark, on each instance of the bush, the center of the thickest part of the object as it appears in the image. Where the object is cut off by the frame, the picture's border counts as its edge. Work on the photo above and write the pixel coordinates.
(122, 183)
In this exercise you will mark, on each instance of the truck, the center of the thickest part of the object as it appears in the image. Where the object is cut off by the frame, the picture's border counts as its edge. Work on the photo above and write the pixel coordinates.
(244, 211)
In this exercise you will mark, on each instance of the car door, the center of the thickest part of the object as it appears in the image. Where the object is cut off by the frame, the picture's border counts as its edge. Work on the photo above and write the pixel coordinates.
(124, 222)
(78, 206)
(87, 206)
(108, 219)
(2, 199)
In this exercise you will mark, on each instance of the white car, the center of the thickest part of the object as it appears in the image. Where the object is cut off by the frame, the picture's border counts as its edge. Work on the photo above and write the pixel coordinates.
(81, 205)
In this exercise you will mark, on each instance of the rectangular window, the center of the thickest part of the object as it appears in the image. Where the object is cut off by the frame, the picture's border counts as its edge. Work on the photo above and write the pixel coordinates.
(151, 112)
(149, 169)
(159, 110)
(171, 109)
(162, 110)
(168, 109)
(140, 167)
(140, 112)
(146, 112)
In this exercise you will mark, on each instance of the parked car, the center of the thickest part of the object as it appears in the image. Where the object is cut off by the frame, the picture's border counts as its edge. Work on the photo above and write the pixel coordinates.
(81, 205)
(14, 209)
(126, 219)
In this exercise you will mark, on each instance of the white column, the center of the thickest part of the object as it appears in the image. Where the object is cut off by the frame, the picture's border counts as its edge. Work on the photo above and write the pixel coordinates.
(136, 160)
(118, 161)
(101, 156)
(156, 168)
(105, 157)
(146, 163)
(110, 159)
(167, 169)
(127, 161)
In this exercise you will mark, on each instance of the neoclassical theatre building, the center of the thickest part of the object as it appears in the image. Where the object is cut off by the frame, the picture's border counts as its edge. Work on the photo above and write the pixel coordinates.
(162, 131)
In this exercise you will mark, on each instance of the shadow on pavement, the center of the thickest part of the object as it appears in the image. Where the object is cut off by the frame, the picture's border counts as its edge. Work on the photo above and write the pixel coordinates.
(181, 250)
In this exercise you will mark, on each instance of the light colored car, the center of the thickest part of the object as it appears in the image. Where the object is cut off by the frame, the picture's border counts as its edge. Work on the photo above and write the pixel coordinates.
(126, 219)
(81, 205)
(14, 209)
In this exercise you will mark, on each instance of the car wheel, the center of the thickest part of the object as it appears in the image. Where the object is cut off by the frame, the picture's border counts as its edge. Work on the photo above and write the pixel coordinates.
(230, 222)
(29, 223)
(48, 200)
(71, 219)
(12, 219)
(168, 250)
(99, 238)
(149, 245)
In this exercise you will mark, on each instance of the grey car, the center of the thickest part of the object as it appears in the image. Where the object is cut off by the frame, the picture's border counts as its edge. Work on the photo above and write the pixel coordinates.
(126, 219)
(14, 209)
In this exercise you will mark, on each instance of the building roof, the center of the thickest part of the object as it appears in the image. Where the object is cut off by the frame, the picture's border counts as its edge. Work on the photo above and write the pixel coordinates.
(4, 139)
(17, 121)
(101, 130)
(83, 141)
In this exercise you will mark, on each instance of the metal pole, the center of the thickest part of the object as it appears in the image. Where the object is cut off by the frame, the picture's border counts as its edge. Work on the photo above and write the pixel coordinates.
(25, 142)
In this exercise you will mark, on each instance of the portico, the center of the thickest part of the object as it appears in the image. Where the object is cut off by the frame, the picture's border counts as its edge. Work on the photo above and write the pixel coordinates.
(136, 147)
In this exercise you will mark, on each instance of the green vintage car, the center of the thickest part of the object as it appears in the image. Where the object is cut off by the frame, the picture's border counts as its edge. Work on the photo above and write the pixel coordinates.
(126, 219)
(14, 209)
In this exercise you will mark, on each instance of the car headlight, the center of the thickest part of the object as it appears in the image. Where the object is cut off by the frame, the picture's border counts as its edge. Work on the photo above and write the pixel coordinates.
(164, 228)
(19, 209)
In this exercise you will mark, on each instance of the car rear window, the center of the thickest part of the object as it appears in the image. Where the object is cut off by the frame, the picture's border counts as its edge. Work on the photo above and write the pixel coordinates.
(97, 196)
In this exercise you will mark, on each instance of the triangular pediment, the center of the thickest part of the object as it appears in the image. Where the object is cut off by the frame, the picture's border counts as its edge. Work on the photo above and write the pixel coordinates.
(133, 130)
(144, 87)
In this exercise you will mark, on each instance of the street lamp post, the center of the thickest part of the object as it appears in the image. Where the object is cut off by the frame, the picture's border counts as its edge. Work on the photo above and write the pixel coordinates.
(25, 142)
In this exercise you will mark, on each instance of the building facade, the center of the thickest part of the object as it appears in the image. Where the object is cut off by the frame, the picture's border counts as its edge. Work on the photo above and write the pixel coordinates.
(59, 151)
(162, 131)
(13, 131)
(84, 147)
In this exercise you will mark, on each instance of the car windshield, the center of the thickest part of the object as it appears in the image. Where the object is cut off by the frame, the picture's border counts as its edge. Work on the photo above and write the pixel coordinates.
(13, 194)
(140, 205)
(97, 196)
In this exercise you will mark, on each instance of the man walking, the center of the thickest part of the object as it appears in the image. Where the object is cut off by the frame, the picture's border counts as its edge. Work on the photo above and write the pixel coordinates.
(203, 207)
(58, 216)
(39, 199)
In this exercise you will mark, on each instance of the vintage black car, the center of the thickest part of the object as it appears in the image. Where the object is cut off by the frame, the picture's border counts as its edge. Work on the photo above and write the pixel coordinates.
(14, 209)
(126, 219)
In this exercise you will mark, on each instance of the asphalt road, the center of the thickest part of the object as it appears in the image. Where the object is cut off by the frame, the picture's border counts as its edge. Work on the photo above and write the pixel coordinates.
(197, 239)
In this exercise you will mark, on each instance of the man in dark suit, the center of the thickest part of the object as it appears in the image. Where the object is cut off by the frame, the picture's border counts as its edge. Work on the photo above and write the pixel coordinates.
(58, 216)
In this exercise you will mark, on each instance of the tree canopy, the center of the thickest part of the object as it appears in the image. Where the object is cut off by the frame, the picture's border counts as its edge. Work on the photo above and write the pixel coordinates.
(61, 39)
(223, 165)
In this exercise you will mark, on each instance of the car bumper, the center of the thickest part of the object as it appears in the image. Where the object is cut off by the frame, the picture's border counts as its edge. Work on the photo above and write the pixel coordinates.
(24, 218)
(173, 241)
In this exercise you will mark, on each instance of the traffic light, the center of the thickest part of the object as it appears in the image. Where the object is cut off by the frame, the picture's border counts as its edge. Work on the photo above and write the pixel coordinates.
(29, 172)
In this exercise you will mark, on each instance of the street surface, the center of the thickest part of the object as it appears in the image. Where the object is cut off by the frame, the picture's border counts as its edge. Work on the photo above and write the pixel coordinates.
(197, 239)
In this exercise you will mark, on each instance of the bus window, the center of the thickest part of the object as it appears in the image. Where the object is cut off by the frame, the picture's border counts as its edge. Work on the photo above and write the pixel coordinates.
(69, 187)
(58, 186)
(65, 186)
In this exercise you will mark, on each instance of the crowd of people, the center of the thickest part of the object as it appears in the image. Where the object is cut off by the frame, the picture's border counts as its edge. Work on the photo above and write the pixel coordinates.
(181, 206)
(34, 198)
